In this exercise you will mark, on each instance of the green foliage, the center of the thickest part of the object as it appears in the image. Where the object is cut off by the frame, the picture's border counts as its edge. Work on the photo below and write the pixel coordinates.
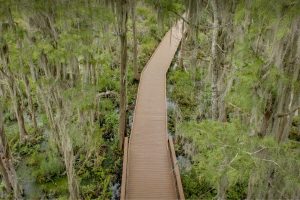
(223, 149)
(56, 189)
(143, 12)
(196, 187)
(57, 48)
(49, 166)
(167, 8)
(111, 122)
(148, 47)
(255, 73)
(295, 133)
(98, 172)
(148, 37)
(237, 191)
(111, 83)
(183, 92)
(222, 154)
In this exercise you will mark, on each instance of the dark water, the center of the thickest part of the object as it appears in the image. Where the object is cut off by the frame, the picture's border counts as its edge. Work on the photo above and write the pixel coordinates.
(29, 185)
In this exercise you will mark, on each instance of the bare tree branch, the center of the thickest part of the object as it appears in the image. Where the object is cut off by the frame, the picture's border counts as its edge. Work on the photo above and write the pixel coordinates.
(288, 113)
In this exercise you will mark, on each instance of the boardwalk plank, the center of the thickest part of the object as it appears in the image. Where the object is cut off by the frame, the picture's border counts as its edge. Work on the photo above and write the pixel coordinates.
(149, 167)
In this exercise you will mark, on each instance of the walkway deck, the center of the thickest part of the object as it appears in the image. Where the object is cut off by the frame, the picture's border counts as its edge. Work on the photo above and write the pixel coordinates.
(149, 171)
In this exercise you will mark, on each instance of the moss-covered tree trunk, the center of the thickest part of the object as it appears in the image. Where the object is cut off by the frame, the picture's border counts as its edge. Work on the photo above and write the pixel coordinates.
(182, 46)
(7, 169)
(135, 41)
(11, 82)
(226, 40)
(67, 149)
(122, 24)
(287, 59)
(30, 101)
(214, 62)
(20, 118)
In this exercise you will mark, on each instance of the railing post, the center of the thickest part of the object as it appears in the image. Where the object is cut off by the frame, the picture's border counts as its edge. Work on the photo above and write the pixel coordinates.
(124, 171)
(176, 170)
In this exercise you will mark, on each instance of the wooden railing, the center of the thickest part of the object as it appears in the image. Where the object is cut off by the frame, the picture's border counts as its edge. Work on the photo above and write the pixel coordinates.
(124, 172)
(176, 170)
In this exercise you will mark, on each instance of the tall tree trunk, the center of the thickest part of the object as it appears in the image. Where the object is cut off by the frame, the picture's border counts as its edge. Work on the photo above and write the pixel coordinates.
(267, 116)
(226, 40)
(135, 42)
(182, 46)
(282, 124)
(13, 91)
(69, 162)
(94, 79)
(222, 187)
(20, 119)
(288, 60)
(18, 109)
(222, 114)
(122, 23)
(6, 166)
(30, 101)
(66, 144)
(44, 63)
(64, 71)
(214, 61)
(74, 65)
(56, 114)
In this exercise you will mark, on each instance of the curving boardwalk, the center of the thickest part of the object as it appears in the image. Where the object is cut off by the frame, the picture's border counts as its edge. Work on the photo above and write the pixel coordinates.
(148, 169)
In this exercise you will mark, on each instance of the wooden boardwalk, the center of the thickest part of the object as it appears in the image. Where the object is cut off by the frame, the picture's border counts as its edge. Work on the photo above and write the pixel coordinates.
(149, 167)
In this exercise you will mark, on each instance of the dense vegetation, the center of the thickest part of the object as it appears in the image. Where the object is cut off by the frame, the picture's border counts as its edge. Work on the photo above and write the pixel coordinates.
(68, 81)
(235, 100)
(60, 96)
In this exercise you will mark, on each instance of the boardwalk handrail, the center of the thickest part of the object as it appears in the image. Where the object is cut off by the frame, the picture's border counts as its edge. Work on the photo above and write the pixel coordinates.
(166, 182)
(124, 172)
(176, 169)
